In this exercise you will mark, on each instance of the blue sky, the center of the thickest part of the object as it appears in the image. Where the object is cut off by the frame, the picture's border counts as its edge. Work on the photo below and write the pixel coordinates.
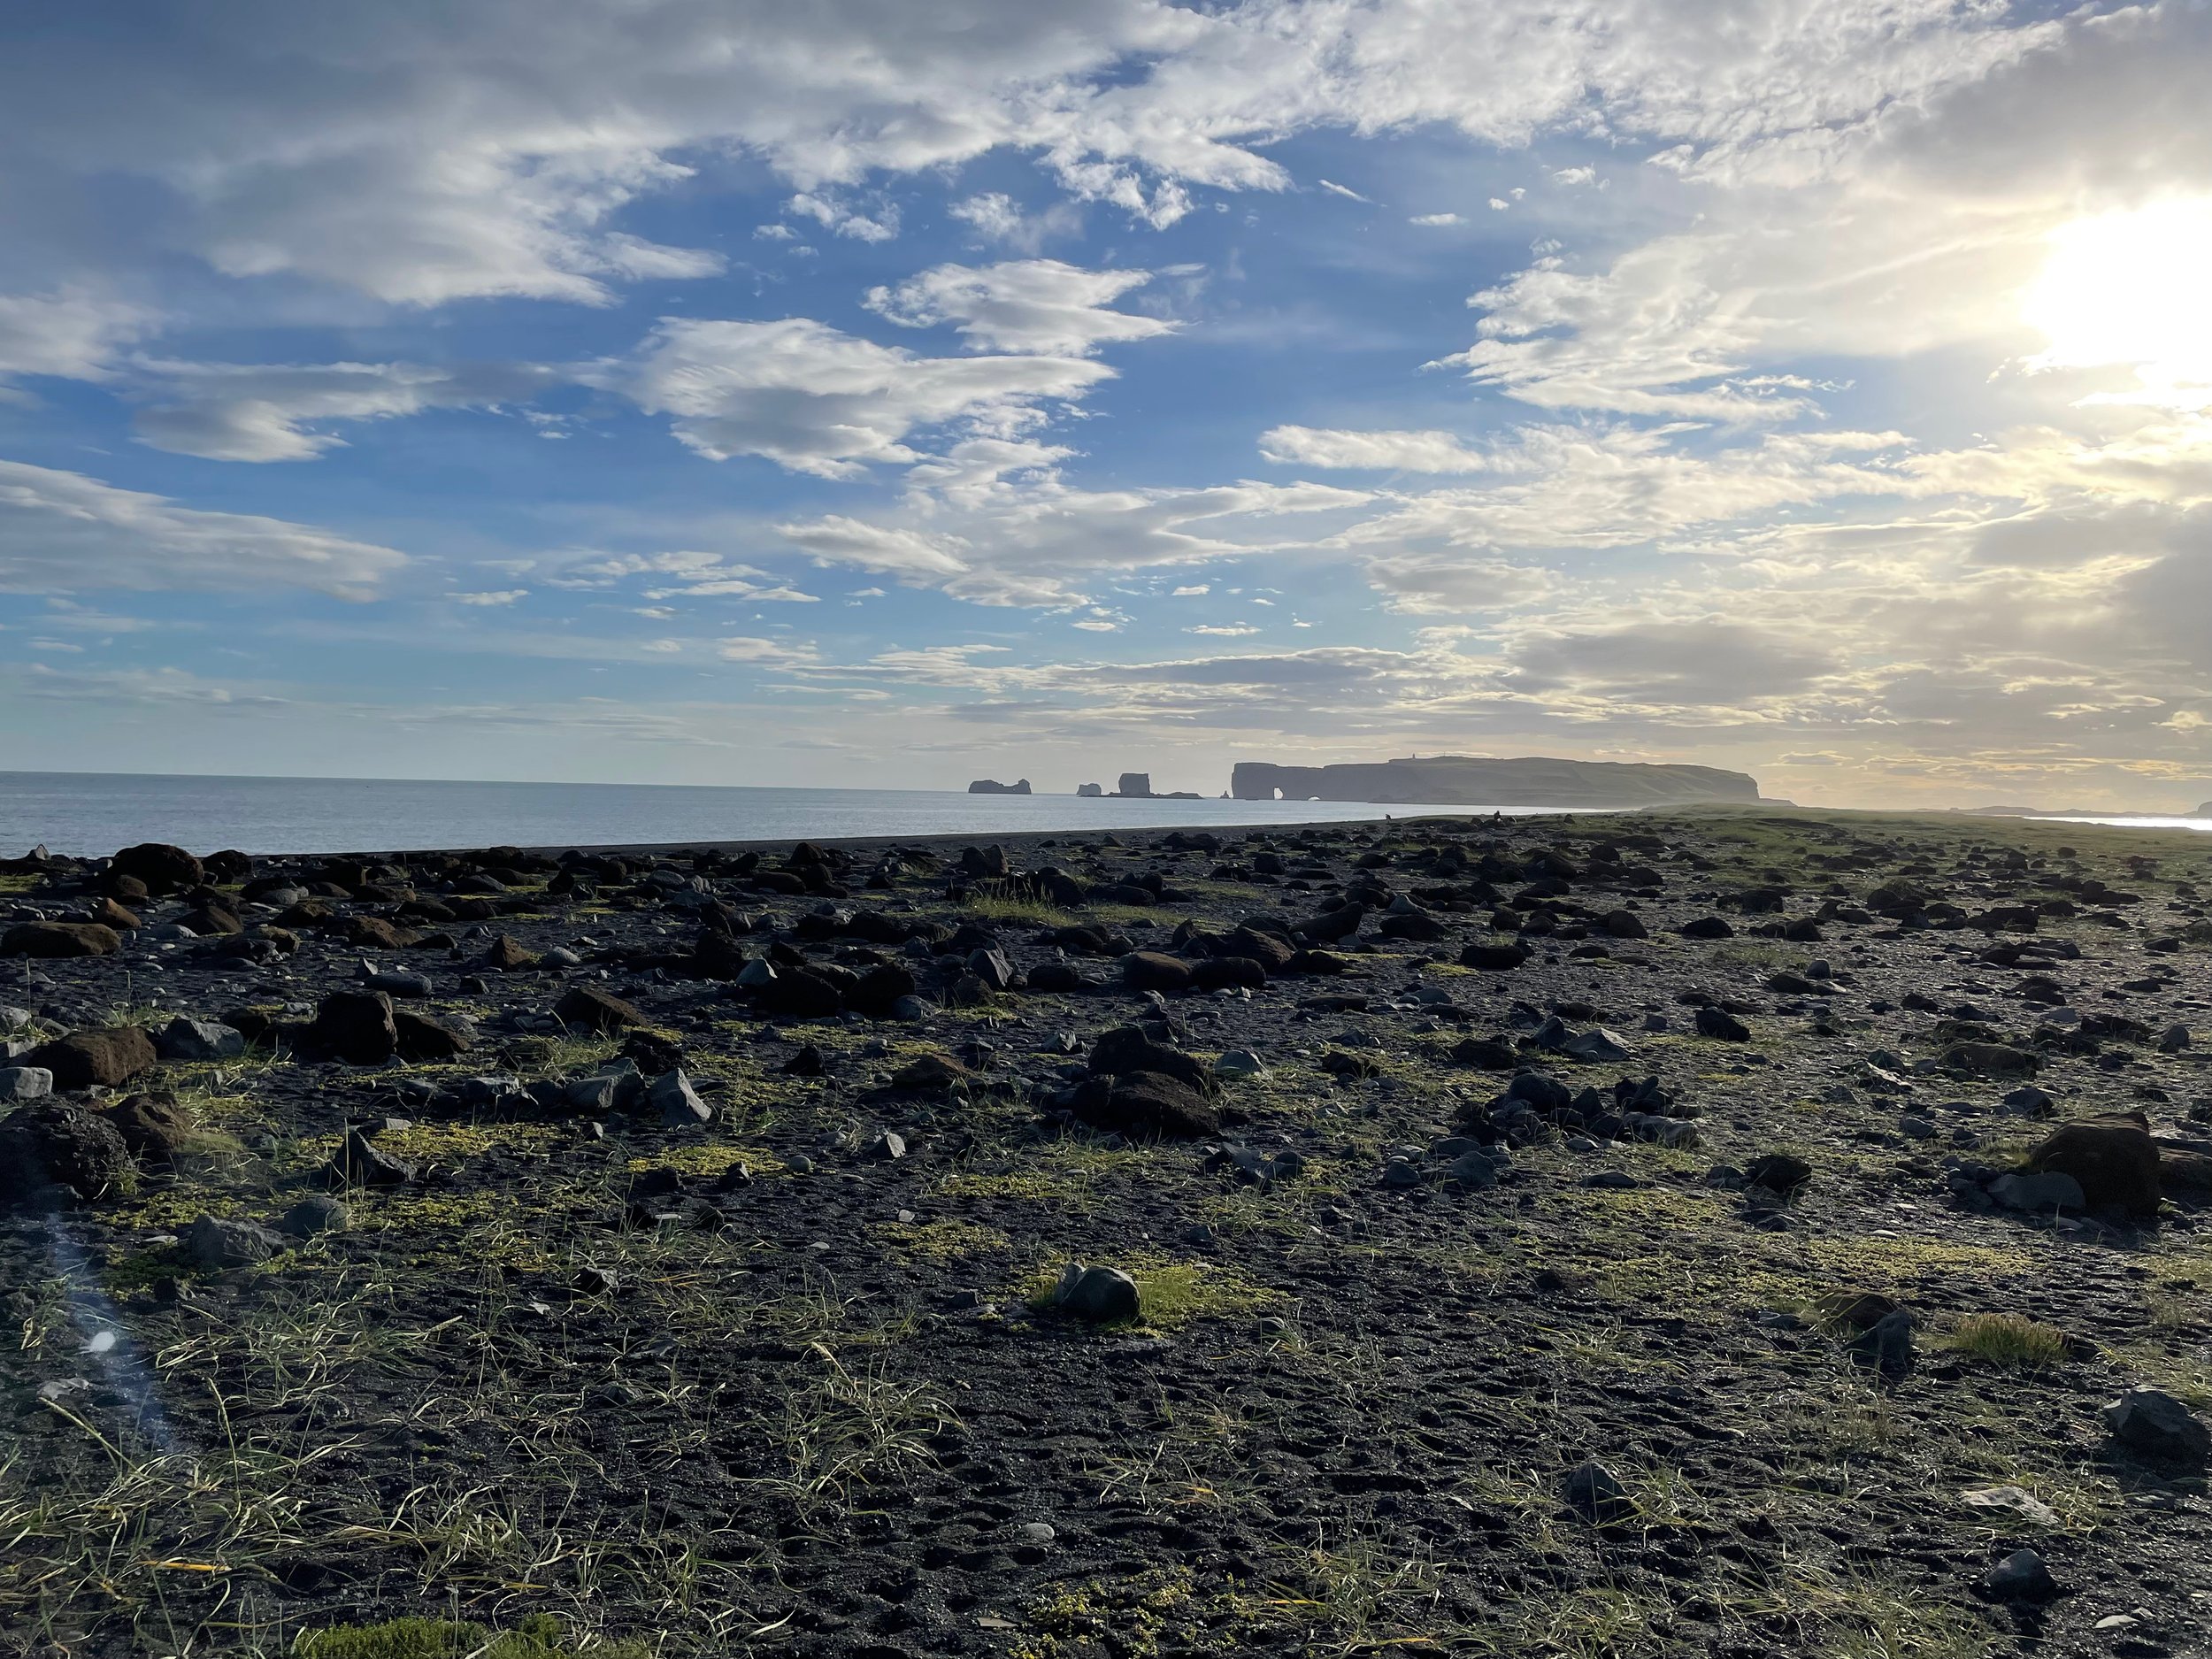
(878, 395)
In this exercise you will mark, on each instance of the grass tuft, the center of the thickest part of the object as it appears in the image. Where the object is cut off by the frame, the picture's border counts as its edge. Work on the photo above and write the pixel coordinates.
(2009, 1339)
(538, 1637)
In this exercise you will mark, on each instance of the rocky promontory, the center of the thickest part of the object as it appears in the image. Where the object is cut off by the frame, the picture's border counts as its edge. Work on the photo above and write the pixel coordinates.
(1463, 780)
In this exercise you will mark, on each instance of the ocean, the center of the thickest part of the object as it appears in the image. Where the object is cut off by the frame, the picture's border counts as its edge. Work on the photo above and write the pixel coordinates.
(92, 814)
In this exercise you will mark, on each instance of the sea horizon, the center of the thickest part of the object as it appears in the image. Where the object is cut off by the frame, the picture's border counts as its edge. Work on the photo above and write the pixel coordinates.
(89, 814)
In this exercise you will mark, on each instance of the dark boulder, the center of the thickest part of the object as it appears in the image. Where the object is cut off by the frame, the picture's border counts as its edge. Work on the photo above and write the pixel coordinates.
(360, 1162)
(374, 933)
(59, 939)
(159, 866)
(153, 1126)
(877, 992)
(800, 994)
(1990, 1059)
(1222, 973)
(429, 1037)
(356, 1026)
(2159, 1426)
(1145, 1106)
(217, 1244)
(102, 1059)
(2112, 1157)
(588, 1008)
(1491, 1053)
(931, 1074)
(509, 955)
(1780, 1172)
(1493, 958)
(1271, 950)
(61, 1143)
(1721, 1025)
(1126, 1051)
(1154, 971)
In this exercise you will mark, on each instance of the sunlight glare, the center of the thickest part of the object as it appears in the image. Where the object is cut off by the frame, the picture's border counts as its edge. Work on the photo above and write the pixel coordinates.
(2132, 288)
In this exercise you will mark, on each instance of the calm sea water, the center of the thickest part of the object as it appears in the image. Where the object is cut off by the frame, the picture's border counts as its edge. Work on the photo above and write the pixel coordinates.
(2139, 821)
(90, 814)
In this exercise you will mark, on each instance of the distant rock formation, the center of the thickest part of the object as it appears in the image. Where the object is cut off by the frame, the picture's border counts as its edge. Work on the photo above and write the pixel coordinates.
(2203, 811)
(1134, 785)
(1090, 791)
(987, 785)
(1464, 780)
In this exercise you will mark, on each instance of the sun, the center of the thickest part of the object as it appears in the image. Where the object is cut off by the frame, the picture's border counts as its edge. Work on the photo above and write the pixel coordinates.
(2133, 289)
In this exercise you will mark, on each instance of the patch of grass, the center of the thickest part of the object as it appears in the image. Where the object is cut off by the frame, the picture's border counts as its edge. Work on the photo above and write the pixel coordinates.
(1364, 1594)
(1138, 1617)
(709, 1160)
(559, 1056)
(1021, 1187)
(2187, 1376)
(1765, 953)
(948, 1239)
(1026, 912)
(1171, 1294)
(2007, 1339)
(1900, 1263)
(538, 1637)
(454, 1143)
(851, 1424)
(1592, 1622)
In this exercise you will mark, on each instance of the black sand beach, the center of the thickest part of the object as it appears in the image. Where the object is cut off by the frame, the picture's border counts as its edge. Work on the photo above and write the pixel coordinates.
(1733, 1231)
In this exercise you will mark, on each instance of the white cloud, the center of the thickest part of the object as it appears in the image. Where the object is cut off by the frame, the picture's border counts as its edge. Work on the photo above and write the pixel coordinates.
(814, 400)
(995, 216)
(1030, 305)
(262, 411)
(144, 686)
(486, 600)
(1436, 218)
(489, 149)
(837, 540)
(1226, 632)
(63, 532)
(72, 333)
(1344, 190)
(768, 653)
(1390, 452)
(1036, 544)
(839, 217)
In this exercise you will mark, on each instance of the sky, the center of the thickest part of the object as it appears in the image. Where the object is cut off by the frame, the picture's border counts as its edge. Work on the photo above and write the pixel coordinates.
(879, 395)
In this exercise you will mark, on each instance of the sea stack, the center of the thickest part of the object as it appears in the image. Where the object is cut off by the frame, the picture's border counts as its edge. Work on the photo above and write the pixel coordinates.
(991, 785)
